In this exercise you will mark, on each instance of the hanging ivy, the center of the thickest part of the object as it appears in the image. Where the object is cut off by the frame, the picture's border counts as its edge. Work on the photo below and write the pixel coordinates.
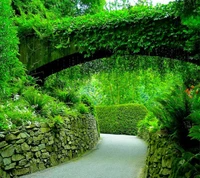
(140, 28)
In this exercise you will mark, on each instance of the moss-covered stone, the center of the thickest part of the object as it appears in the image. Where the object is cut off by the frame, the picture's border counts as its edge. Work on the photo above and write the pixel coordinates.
(17, 157)
(25, 147)
(7, 161)
(3, 144)
(7, 151)
(10, 137)
(19, 172)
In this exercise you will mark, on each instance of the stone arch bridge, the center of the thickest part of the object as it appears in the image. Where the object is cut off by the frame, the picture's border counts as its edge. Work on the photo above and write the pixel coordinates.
(42, 58)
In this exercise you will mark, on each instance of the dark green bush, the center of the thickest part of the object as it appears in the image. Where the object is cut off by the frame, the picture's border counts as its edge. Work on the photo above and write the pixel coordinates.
(120, 119)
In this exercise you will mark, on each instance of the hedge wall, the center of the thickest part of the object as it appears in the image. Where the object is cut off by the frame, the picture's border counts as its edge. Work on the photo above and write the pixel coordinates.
(120, 119)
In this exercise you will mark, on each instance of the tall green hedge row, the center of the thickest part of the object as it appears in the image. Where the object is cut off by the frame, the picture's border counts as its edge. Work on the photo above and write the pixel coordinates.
(120, 119)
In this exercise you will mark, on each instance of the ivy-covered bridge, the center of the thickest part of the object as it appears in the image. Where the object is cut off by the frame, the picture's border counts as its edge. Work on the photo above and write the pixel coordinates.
(49, 46)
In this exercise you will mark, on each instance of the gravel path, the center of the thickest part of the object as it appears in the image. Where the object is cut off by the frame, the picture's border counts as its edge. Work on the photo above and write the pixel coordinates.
(116, 156)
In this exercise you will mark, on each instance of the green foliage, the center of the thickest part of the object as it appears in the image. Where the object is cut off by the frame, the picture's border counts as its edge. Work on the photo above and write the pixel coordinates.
(52, 9)
(35, 98)
(120, 119)
(16, 113)
(88, 103)
(90, 32)
(195, 114)
(170, 111)
(82, 108)
(10, 67)
(149, 124)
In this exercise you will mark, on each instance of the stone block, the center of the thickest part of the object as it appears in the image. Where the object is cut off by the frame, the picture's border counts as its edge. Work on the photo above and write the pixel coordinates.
(41, 146)
(18, 149)
(45, 155)
(10, 166)
(166, 163)
(23, 135)
(3, 144)
(53, 160)
(6, 161)
(45, 130)
(165, 172)
(29, 155)
(41, 166)
(38, 154)
(20, 141)
(33, 167)
(25, 147)
(17, 157)
(7, 151)
(10, 137)
(19, 172)
(34, 149)
(23, 162)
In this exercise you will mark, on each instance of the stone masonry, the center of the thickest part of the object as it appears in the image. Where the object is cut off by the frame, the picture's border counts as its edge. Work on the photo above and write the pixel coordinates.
(38, 146)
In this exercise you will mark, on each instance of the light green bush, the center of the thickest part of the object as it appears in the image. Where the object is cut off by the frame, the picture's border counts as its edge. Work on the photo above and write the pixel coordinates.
(120, 119)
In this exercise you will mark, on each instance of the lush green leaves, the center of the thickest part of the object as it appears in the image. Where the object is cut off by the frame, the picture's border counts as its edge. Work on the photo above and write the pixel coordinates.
(120, 119)
(133, 30)
(10, 66)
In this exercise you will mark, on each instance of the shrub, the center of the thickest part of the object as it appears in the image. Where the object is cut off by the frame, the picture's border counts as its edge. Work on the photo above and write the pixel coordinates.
(82, 108)
(120, 119)
(88, 102)
(35, 98)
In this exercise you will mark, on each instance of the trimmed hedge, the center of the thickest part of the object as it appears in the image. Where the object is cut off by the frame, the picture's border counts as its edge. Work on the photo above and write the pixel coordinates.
(120, 119)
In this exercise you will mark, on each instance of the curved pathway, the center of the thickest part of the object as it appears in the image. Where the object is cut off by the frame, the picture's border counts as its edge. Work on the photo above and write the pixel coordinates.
(116, 156)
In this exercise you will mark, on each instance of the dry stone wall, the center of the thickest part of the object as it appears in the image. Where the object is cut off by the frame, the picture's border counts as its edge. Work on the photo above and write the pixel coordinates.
(160, 156)
(167, 159)
(41, 145)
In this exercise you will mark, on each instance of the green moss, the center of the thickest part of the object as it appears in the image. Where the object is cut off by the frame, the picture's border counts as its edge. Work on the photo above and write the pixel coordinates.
(120, 119)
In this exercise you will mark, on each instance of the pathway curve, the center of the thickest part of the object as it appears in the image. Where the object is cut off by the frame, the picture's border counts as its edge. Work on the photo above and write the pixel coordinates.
(116, 156)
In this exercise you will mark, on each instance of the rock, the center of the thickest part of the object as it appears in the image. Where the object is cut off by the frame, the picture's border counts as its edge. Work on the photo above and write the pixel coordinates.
(167, 163)
(10, 137)
(10, 166)
(25, 147)
(41, 166)
(44, 130)
(44, 125)
(23, 135)
(29, 155)
(6, 161)
(3, 144)
(45, 155)
(165, 172)
(20, 141)
(38, 138)
(18, 149)
(41, 146)
(53, 160)
(33, 167)
(51, 142)
(17, 157)
(34, 149)
(19, 172)
(3, 174)
(23, 162)
(30, 126)
(7, 152)
(38, 154)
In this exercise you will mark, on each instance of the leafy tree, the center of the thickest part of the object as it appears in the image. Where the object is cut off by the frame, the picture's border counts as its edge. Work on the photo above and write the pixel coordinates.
(10, 67)
(57, 8)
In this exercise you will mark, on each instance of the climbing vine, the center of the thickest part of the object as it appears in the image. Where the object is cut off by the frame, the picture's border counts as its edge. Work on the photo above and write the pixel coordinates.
(140, 28)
